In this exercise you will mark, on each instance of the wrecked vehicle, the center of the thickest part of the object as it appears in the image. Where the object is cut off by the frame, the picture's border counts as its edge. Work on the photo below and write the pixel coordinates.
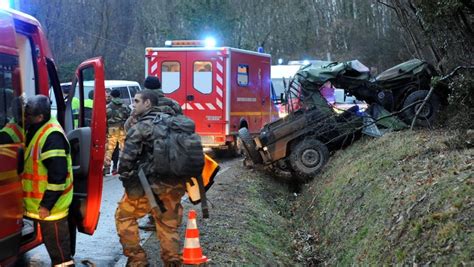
(400, 89)
(299, 144)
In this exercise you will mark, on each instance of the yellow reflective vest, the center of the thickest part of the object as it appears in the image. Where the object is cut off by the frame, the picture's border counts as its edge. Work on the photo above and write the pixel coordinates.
(15, 132)
(35, 175)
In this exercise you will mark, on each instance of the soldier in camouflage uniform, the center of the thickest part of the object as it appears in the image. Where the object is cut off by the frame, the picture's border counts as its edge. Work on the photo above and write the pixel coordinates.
(138, 152)
(117, 114)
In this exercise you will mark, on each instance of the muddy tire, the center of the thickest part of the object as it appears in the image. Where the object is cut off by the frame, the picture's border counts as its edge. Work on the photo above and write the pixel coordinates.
(282, 170)
(307, 158)
(249, 147)
(428, 113)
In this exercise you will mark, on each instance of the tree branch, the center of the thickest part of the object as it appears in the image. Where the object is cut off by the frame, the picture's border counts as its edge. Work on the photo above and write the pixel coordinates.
(430, 92)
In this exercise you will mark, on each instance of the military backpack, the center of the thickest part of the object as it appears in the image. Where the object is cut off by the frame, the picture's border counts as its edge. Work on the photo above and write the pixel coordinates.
(177, 149)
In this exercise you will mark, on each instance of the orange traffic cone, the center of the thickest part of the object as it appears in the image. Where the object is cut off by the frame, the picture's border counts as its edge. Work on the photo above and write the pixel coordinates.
(192, 253)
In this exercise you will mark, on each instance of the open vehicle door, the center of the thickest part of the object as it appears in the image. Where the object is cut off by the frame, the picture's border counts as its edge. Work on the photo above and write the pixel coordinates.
(85, 125)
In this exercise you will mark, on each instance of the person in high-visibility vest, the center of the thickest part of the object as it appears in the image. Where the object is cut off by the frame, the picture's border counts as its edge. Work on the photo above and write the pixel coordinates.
(12, 132)
(75, 105)
(88, 105)
(47, 178)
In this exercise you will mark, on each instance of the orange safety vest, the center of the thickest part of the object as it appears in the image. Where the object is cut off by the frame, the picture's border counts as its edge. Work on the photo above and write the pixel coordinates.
(209, 171)
(35, 175)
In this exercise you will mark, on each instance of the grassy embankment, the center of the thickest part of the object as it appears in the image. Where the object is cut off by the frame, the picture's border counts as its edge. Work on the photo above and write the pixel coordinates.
(404, 198)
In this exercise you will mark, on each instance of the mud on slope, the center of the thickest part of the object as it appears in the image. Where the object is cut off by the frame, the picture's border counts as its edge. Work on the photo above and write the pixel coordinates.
(404, 198)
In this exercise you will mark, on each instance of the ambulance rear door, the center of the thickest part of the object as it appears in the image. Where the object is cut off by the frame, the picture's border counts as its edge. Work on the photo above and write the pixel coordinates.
(205, 94)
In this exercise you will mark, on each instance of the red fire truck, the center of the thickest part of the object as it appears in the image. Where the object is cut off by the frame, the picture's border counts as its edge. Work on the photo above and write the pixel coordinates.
(221, 88)
(26, 69)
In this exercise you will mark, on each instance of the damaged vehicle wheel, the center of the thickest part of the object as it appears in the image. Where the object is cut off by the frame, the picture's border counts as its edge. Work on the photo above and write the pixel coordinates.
(249, 147)
(307, 158)
(429, 111)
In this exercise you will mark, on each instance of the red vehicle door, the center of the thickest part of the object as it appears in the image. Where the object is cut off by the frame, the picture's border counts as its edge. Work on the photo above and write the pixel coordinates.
(11, 143)
(205, 94)
(87, 139)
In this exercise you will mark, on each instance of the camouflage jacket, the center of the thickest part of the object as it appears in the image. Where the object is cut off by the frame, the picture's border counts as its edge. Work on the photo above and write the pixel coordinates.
(167, 105)
(117, 113)
(138, 152)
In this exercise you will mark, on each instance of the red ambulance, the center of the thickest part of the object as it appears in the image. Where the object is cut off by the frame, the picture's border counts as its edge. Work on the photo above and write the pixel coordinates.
(221, 88)
(26, 69)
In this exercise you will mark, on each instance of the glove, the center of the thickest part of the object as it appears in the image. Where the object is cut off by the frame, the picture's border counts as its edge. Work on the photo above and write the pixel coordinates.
(133, 188)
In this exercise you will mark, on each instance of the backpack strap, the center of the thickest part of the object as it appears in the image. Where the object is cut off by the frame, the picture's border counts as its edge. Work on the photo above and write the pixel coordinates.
(202, 194)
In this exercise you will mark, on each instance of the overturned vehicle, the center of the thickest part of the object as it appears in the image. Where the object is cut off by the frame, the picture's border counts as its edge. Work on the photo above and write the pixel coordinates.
(400, 89)
(298, 146)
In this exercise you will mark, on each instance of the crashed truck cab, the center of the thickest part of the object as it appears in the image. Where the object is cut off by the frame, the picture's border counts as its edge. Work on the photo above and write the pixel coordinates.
(223, 89)
(27, 68)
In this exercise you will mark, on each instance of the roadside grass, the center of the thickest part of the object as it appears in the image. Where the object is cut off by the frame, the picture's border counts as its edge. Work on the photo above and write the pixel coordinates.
(268, 238)
(404, 198)
(249, 225)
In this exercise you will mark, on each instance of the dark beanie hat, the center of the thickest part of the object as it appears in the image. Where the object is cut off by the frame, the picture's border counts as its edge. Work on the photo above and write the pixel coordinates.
(66, 88)
(152, 82)
(115, 93)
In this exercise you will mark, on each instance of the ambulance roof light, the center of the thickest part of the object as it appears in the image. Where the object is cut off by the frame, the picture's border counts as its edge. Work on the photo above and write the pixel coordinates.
(4, 4)
(210, 42)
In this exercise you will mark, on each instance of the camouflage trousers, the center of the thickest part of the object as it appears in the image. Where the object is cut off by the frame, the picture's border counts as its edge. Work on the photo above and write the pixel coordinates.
(114, 135)
(167, 224)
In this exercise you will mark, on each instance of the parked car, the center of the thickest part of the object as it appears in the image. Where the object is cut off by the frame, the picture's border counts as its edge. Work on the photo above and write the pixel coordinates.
(128, 89)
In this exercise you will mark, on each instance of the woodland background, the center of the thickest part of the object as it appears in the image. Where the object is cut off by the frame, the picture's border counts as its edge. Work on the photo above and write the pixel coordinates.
(380, 33)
